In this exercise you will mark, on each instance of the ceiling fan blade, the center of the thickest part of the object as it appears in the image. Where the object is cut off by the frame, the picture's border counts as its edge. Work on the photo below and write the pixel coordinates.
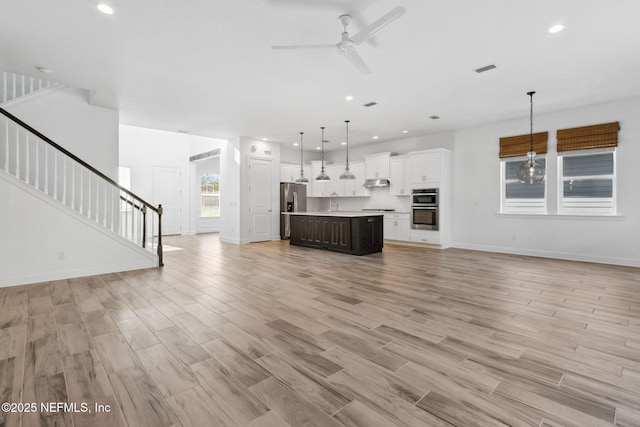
(357, 61)
(376, 26)
(303, 46)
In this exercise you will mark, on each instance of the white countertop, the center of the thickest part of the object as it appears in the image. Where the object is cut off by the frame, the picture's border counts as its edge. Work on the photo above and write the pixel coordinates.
(345, 214)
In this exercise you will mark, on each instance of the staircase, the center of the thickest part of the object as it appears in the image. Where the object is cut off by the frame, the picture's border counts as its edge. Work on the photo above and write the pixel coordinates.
(72, 184)
(15, 86)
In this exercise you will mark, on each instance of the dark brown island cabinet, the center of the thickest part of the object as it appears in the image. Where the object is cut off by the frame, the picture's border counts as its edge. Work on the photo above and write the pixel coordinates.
(355, 234)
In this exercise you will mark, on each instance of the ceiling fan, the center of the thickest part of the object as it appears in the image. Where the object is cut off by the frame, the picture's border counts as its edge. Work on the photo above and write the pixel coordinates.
(347, 45)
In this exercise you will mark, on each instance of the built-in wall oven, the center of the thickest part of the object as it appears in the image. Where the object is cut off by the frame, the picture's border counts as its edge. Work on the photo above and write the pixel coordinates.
(424, 209)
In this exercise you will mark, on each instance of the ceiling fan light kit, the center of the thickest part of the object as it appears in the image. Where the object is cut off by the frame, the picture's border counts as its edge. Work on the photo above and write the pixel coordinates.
(531, 172)
(347, 45)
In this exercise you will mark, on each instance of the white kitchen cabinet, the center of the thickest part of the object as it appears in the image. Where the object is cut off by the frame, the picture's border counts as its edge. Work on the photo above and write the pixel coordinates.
(377, 165)
(318, 188)
(429, 237)
(343, 187)
(399, 176)
(424, 168)
(397, 226)
(336, 185)
(353, 187)
(289, 173)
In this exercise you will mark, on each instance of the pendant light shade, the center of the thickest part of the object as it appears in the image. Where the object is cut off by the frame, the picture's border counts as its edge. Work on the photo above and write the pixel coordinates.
(323, 176)
(347, 173)
(531, 172)
(302, 177)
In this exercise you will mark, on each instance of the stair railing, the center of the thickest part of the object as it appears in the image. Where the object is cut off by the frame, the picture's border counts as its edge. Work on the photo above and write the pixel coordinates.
(38, 161)
(14, 86)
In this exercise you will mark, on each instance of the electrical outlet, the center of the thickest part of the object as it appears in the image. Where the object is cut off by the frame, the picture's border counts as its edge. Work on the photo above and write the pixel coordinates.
(60, 255)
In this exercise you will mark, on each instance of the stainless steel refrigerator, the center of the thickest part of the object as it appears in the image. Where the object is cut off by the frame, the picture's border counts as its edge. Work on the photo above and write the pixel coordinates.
(293, 198)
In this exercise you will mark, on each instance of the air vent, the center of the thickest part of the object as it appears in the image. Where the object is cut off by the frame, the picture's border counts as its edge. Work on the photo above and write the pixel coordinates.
(370, 104)
(434, 117)
(487, 68)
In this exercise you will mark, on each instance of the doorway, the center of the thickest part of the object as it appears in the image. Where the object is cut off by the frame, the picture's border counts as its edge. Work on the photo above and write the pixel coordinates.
(167, 190)
(260, 199)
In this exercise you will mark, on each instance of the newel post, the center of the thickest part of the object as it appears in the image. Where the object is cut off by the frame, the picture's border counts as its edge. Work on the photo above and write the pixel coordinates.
(160, 262)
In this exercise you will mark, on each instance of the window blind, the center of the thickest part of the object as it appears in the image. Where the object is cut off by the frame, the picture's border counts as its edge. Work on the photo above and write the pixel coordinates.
(515, 146)
(588, 137)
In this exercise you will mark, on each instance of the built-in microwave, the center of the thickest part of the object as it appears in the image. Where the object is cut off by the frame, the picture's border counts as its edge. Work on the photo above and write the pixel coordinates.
(424, 218)
(424, 197)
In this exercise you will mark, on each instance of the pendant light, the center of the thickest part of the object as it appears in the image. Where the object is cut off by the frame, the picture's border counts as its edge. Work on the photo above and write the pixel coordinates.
(323, 176)
(347, 173)
(302, 177)
(531, 172)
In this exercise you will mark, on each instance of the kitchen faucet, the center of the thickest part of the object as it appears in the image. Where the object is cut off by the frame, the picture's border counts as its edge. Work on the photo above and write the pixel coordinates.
(330, 197)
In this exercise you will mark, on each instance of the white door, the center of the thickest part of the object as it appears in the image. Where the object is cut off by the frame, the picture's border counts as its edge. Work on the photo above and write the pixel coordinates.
(260, 199)
(167, 191)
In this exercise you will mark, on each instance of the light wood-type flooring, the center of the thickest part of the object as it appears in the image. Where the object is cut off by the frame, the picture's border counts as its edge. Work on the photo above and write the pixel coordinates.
(272, 335)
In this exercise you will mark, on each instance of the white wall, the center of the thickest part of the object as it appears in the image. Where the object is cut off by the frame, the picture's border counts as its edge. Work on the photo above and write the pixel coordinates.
(476, 182)
(65, 116)
(141, 149)
(230, 197)
(44, 240)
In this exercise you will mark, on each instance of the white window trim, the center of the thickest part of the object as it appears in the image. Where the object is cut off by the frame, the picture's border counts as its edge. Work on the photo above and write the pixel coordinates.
(525, 208)
(588, 210)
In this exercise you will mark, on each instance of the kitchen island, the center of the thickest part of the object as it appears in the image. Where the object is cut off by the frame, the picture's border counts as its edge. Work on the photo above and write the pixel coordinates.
(356, 233)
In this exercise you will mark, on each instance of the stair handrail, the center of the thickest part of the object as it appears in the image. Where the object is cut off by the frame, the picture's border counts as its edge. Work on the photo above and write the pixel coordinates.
(66, 152)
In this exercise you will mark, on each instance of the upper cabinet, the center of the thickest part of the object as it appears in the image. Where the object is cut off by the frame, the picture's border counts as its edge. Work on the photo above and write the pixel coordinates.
(399, 176)
(425, 168)
(353, 187)
(377, 165)
(289, 173)
(342, 187)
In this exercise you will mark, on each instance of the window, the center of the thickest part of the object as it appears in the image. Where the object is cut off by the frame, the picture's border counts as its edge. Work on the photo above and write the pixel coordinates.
(518, 197)
(587, 182)
(210, 195)
(587, 169)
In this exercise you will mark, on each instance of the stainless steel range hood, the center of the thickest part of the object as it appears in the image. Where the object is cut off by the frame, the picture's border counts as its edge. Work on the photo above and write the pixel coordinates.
(378, 182)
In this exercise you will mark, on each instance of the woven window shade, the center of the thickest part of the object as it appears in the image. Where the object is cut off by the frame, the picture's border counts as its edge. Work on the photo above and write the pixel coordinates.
(588, 137)
(514, 146)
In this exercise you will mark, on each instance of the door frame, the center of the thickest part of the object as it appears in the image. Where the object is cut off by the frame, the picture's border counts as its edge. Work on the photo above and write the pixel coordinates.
(251, 234)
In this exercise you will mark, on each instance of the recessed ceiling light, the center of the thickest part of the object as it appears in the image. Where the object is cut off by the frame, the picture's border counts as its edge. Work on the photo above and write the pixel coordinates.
(265, 139)
(106, 9)
(434, 117)
(295, 144)
(375, 137)
(405, 131)
(344, 143)
(556, 28)
(348, 98)
(317, 148)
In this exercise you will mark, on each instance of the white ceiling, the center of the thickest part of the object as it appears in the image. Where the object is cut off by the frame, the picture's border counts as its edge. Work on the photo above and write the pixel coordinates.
(206, 66)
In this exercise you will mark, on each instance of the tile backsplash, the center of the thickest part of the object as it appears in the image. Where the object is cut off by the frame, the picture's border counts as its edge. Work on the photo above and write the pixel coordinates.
(380, 199)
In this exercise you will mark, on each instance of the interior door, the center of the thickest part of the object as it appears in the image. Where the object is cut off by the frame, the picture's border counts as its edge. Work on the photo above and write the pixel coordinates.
(260, 199)
(167, 191)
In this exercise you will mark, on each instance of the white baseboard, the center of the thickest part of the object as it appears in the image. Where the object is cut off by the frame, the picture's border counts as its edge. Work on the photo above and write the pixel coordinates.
(630, 262)
(79, 272)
